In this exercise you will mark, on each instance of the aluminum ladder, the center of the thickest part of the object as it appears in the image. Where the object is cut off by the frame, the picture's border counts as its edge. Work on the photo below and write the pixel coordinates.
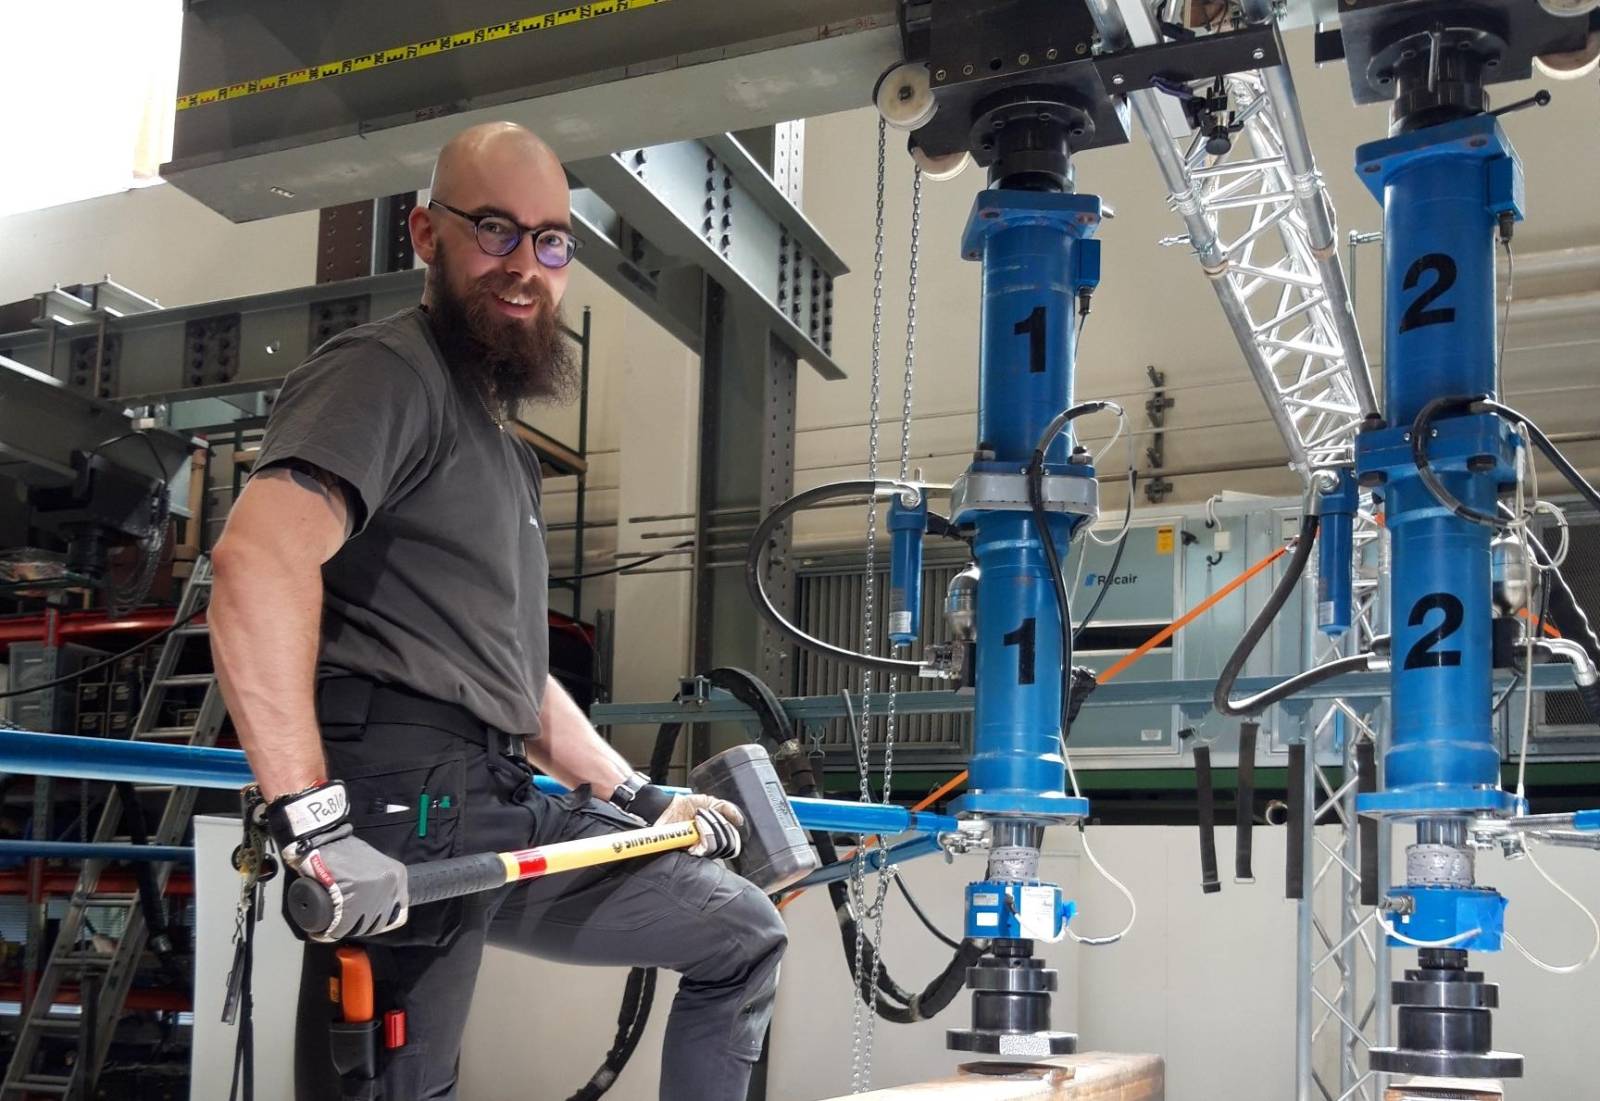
(112, 974)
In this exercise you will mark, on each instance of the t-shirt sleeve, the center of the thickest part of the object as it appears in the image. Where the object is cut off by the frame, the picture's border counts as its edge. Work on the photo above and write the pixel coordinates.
(360, 412)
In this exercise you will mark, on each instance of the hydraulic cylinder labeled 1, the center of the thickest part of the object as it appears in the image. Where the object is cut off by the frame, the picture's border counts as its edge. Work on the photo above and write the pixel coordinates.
(1037, 255)
(1444, 190)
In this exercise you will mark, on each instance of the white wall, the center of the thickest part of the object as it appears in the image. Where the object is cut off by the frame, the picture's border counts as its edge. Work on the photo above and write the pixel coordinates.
(1207, 981)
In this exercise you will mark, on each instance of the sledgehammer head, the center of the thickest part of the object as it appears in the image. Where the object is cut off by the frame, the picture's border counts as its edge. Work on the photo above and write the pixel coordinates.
(776, 852)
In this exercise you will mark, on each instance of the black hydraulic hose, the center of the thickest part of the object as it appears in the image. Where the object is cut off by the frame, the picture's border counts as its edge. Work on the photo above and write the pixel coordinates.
(1220, 698)
(890, 1001)
(1545, 444)
(757, 588)
(1047, 539)
(1421, 432)
(151, 904)
(1254, 705)
(1111, 571)
(927, 922)
(637, 996)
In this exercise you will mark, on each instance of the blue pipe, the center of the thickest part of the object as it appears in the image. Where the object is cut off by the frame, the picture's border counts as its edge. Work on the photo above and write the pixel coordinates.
(909, 849)
(77, 850)
(75, 757)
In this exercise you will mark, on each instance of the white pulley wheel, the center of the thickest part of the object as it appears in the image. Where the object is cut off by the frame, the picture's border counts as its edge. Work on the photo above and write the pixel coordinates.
(904, 96)
(1573, 65)
(947, 167)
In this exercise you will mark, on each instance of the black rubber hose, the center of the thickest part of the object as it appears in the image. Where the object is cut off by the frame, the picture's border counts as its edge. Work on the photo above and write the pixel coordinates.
(1421, 432)
(1252, 706)
(890, 1001)
(756, 586)
(1545, 444)
(1111, 571)
(1035, 477)
(927, 922)
(1220, 698)
(637, 996)
(151, 904)
(1590, 694)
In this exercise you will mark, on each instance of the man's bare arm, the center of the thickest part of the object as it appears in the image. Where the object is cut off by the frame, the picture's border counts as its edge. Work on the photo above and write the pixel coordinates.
(571, 750)
(265, 617)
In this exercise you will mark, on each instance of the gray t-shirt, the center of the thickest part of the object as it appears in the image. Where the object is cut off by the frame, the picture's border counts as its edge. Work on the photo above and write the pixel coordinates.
(442, 587)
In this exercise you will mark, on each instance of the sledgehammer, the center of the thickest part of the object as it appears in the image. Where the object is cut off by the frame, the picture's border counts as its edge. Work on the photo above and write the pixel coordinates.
(776, 851)
(437, 880)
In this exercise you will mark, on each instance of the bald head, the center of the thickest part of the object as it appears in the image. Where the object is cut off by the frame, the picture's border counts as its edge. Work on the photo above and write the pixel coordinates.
(499, 169)
(490, 154)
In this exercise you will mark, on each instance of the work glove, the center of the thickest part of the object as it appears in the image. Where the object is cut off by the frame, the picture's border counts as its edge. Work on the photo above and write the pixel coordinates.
(369, 890)
(718, 820)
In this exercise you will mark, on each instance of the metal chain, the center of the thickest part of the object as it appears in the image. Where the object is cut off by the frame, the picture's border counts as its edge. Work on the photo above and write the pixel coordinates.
(911, 322)
(905, 443)
(863, 1018)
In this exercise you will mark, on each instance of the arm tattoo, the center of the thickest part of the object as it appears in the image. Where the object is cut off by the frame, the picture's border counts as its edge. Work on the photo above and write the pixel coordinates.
(329, 486)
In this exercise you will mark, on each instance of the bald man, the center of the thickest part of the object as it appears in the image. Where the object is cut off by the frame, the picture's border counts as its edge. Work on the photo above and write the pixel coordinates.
(380, 634)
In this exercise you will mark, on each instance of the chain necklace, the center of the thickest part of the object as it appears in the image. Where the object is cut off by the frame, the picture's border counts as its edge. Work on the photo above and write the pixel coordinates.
(483, 401)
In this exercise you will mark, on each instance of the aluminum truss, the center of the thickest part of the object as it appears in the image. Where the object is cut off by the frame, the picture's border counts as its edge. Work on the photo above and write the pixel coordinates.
(1259, 220)
(1342, 973)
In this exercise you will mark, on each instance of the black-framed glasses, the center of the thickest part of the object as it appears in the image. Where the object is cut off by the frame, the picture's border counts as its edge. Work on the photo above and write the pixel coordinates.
(499, 236)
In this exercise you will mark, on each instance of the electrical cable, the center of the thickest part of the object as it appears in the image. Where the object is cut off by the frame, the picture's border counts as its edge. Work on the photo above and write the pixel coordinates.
(1133, 905)
(1035, 481)
(101, 664)
(1553, 968)
(1525, 540)
(1447, 942)
(755, 583)
(1116, 560)
(625, 567)
(927, 922)
(1132, 478)
(1220, 698)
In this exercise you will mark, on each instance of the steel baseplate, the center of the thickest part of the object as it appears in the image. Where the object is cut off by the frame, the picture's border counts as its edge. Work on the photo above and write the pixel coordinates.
(1446, 1064)
(1054, 809)
(1032, 1045)
(1408, 803)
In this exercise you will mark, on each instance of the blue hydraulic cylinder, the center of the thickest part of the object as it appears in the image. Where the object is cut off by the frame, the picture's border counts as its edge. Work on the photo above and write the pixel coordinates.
(906, 525)
(1336, 556)
(1443, 190)
(1037, 256)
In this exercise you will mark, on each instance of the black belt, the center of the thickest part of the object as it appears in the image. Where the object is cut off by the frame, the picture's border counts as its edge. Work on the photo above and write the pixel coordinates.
(357, 702)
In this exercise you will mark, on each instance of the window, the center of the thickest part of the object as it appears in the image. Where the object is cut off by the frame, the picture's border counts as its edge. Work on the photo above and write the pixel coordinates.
(86, 99)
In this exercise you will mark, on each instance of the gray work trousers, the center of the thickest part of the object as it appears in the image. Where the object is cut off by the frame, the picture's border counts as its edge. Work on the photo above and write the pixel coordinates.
(690, 915)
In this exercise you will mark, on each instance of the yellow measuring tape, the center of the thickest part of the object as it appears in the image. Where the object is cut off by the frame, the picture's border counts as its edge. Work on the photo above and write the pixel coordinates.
(428, 47)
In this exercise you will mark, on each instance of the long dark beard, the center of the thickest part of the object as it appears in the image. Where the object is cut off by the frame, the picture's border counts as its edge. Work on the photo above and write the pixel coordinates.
(505, 361)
